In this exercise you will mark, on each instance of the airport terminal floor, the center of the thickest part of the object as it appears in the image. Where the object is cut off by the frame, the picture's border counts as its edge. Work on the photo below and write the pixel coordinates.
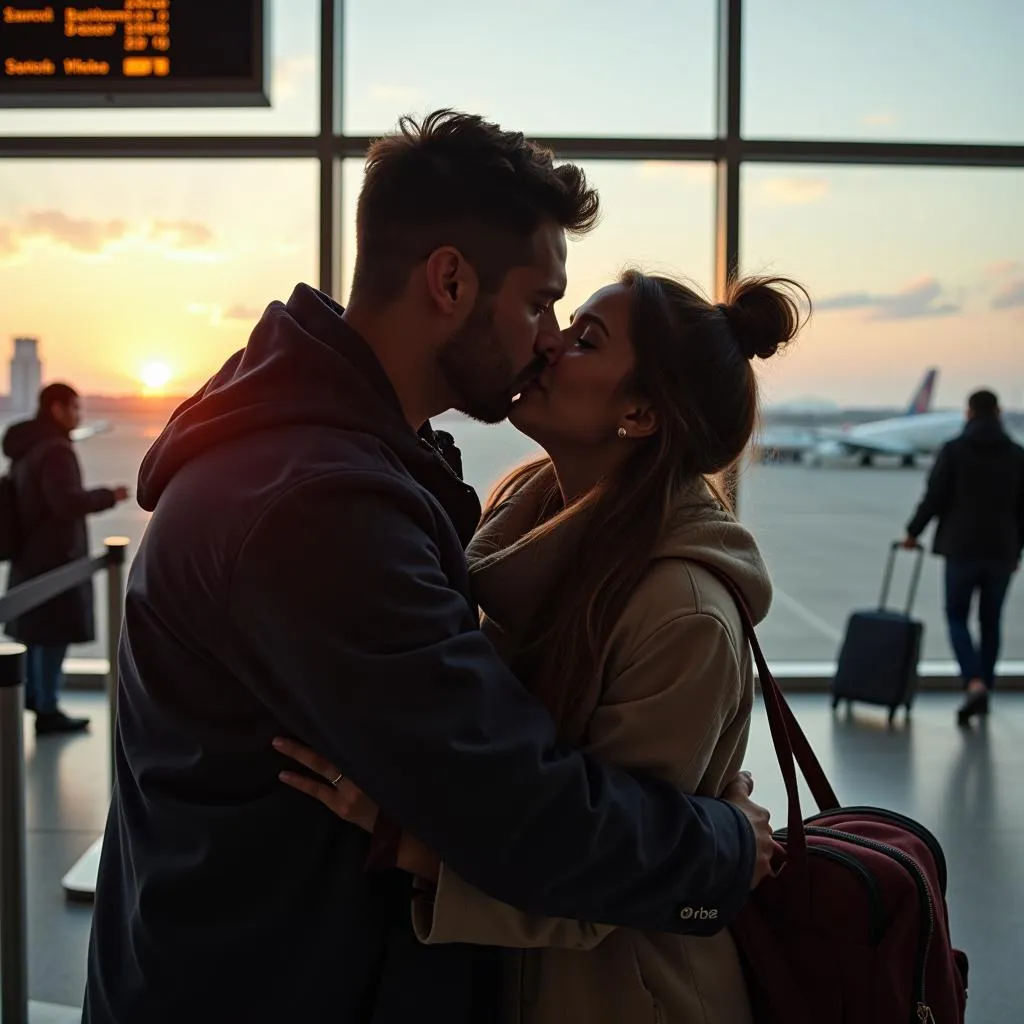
(963, 784)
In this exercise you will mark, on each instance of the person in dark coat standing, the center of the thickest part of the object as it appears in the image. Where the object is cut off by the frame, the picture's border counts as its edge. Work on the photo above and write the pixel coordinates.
(52, 506)
(976, 491)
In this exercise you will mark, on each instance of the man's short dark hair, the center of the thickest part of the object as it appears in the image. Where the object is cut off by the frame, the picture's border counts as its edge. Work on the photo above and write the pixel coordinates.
(983, 404)
(62, 394)
(456, 179)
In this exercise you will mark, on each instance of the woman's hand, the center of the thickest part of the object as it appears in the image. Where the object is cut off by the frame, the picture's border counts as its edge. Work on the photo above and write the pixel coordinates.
(336, 793)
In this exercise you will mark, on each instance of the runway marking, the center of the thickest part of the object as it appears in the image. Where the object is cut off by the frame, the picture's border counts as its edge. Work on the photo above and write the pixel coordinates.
(802, 612)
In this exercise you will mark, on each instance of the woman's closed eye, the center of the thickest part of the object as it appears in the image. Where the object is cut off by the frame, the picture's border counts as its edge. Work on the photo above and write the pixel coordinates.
(585, 343)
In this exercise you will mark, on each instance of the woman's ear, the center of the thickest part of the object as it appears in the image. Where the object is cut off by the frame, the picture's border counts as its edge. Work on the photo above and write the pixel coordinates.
(641, 421)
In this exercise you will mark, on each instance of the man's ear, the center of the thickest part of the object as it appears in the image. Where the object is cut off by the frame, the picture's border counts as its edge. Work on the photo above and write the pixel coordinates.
(641, 420)
(452, 283)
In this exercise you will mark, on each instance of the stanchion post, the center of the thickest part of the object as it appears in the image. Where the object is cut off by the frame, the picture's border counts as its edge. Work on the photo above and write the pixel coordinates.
(117, 548)
(13, 918)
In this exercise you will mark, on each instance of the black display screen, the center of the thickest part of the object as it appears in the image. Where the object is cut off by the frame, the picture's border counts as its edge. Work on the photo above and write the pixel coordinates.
(133, 52)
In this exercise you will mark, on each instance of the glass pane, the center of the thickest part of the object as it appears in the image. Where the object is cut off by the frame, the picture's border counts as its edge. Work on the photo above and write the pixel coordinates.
(143, 276)
(921, 70)
(295, 110)
(656, 215)
(548, 67)
(909, 269)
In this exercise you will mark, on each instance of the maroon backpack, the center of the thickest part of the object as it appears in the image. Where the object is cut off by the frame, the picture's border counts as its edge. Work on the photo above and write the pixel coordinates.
(852, 928)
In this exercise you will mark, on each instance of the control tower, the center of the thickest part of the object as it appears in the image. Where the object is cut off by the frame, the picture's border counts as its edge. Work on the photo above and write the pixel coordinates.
(26, 375)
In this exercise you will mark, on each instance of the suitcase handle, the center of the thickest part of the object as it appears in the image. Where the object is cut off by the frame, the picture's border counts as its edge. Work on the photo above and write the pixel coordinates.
(915, 578)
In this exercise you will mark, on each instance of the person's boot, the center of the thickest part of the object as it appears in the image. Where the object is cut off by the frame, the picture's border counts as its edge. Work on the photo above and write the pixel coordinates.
(50, 723)
(975, 704)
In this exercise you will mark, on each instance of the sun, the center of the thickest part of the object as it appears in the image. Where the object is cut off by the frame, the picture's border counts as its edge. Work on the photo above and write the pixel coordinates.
(155, 377)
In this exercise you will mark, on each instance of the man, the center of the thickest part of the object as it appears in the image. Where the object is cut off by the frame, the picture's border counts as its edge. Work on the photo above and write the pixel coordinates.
(51, 509)
(303, 572)
(976, 491)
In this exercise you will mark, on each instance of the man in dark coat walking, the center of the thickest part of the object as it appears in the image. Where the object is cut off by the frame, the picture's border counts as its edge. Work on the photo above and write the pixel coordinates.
(52, 506)
(976, 491)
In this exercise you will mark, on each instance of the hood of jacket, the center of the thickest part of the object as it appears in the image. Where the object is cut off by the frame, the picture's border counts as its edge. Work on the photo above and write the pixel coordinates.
(22, 438)
(511, 573)
(986, 432)
(303, 365)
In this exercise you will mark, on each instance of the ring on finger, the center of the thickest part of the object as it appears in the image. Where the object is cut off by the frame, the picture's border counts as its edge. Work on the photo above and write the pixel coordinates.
(335, 782)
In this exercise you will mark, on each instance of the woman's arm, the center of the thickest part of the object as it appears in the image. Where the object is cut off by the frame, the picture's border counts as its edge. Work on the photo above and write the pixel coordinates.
(663, 713)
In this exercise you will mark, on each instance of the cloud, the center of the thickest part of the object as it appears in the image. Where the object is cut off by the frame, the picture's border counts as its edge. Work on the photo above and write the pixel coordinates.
(794, 191)
(181, 234)
(218, 316)
(1002, 268)
(243, 312)
(918, 300)
(8, 243)
(403, 94)
(176, 239)
(1010, 296)
(290, 74)
(79, 234)
(697, 172)
(879, 120)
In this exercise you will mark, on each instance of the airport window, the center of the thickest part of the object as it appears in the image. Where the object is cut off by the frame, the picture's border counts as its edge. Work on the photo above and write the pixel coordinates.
(563, 68)
(910, 269)
(294, 86)
(919, 70)
(138, 278)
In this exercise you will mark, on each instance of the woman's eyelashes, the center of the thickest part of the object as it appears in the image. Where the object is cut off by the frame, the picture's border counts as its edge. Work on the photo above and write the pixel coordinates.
(585, 342)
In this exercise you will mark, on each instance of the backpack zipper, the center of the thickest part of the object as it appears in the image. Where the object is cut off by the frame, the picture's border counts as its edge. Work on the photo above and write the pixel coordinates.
(924, 1013)
(901, 819)
(876, 926)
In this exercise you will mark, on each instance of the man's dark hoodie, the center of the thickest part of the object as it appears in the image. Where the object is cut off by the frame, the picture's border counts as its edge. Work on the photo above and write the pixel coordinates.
(976, 491)
(303, 574)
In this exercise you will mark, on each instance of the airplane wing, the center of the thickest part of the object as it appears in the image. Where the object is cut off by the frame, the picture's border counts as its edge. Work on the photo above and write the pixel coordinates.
(87, 430)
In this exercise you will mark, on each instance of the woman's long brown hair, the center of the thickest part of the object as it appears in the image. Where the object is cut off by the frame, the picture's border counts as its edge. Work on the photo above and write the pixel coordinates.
(693, 363)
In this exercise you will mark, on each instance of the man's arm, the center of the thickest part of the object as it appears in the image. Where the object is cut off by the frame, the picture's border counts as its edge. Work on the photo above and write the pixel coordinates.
(346, 626)
(666, 711)
(936, 496)
(61, 483)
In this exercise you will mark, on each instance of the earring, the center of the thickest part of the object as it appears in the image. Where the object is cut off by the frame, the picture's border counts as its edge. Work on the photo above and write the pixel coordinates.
(622, 432)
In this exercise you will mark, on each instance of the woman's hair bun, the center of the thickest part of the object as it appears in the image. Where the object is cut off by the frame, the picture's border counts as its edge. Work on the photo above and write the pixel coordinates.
(765, 313)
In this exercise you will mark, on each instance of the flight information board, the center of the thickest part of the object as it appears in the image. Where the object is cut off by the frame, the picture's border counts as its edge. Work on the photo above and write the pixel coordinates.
(95, 53)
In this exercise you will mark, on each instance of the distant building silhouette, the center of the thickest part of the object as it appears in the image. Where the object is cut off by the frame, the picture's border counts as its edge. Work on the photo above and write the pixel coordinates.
(26, 375)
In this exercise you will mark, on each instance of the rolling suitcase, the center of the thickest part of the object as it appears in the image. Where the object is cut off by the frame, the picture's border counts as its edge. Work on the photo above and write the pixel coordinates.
(879, 657)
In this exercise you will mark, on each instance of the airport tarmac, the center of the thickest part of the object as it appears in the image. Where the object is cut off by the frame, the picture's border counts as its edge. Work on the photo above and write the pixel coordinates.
(825, 534)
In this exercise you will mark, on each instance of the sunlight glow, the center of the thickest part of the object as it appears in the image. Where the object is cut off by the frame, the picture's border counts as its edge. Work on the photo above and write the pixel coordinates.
(155, 377)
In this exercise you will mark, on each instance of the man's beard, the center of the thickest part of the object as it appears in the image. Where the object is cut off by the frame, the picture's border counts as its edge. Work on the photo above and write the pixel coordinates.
(479, 371)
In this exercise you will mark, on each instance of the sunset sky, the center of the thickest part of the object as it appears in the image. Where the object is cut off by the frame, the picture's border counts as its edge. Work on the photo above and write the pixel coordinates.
(117, 266)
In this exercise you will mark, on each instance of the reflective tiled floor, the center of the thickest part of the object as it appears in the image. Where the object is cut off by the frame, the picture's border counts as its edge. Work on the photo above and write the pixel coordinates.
(965, 786)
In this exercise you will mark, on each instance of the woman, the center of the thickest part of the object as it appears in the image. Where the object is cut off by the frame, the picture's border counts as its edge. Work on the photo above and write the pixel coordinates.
(591, 567)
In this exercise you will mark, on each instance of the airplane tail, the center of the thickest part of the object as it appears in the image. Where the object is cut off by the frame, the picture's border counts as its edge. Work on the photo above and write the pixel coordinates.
(922, 399)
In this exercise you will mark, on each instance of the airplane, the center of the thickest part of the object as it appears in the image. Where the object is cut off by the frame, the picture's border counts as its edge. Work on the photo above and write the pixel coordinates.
(919, 431)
